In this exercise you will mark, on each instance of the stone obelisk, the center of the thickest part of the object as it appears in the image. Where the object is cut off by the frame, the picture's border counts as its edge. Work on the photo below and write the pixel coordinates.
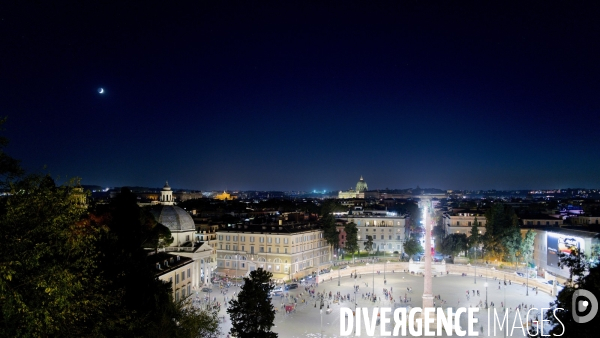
(427, 287)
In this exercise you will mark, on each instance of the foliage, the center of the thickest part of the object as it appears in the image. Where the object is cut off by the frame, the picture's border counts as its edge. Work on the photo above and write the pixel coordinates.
(49, 282)
(143, 299)
(439, 231)
(412, 246)
(351, 237)
(526, 248)
(369, 243)
(454, 244)
(502, 236)
(583, 276)
(475, 238)
(252, 314)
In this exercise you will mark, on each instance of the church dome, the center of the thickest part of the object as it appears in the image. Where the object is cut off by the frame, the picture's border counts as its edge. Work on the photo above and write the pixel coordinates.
(173, 217)
(361, 185)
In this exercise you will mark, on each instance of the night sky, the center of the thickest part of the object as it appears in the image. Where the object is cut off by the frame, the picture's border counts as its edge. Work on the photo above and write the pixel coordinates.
(296, 95)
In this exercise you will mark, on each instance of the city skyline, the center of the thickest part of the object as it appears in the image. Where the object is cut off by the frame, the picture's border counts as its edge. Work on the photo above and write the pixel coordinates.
(304, 96)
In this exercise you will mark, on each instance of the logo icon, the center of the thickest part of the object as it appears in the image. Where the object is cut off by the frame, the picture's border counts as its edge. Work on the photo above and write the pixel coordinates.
(584, 305)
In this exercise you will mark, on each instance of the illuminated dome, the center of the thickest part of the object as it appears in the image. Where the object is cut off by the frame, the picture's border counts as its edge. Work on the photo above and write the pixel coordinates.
(173, 217)
(361, 185)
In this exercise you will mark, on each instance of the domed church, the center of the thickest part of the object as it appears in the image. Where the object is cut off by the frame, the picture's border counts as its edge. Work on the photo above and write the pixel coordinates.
(173, 217)
(361, 187)
(184, 244)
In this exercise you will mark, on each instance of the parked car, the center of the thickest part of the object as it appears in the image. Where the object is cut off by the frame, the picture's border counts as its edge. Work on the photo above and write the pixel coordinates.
(206, 289)
(344, 267)
(277, 289)
(291, 286)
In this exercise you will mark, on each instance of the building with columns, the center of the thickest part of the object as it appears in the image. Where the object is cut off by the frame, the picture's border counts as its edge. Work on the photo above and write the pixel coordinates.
(185, 246)
(287, 251)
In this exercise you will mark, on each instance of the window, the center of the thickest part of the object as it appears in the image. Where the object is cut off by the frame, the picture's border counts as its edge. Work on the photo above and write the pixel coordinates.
(187, 238)
(269, 249)
(182, 293)
(269, 240)
(457, 223)
(220, 237)
(285, 250)
(381, 236)
(177, 279)
(469, 223)
(262, 240)
(390, 236)
(227, 237)
(177, 295)
(170, 279)
(243, 248)
(189, 289)
(243, 238)
(251, 239)
(277, 250)
(189, 273)
(262, 249)
(277, 240)
(285, 241)
(235, 238)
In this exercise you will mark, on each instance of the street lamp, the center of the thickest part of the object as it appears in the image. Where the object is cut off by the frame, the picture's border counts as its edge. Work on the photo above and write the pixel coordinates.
(527, 276)
(321, 312)
(486, 302)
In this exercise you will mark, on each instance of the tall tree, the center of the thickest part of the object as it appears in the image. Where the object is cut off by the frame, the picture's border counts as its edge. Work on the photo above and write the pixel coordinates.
(502, 236)
(454, 244)
(369, 244)
(412, 246)
(583, 276)
(351, 238)
(49, 281)
(252, 314)
(330, 232)
(475, 237)
(526, 248)
(144, 300)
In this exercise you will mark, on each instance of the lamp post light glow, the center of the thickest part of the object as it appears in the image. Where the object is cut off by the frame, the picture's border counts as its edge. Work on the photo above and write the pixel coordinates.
(486, 300)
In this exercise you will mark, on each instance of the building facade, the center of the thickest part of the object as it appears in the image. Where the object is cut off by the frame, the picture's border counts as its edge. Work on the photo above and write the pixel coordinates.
(389, 232)
(287, 251)
(462, 222)
(176, 270)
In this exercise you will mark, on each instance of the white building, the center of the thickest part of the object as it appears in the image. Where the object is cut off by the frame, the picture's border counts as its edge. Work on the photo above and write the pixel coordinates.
(183, 230)
(388, 232)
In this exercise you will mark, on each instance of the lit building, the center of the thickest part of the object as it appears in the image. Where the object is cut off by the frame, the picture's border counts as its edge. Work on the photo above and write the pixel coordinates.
(183, 231)
(462, 222)
(388, 232)
(177, 270)
(359, 192)
(288, 251)
(549, 242)
(225, 196)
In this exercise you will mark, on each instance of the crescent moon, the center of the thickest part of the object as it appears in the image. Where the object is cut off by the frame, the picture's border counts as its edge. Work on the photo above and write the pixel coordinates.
(101, 90)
